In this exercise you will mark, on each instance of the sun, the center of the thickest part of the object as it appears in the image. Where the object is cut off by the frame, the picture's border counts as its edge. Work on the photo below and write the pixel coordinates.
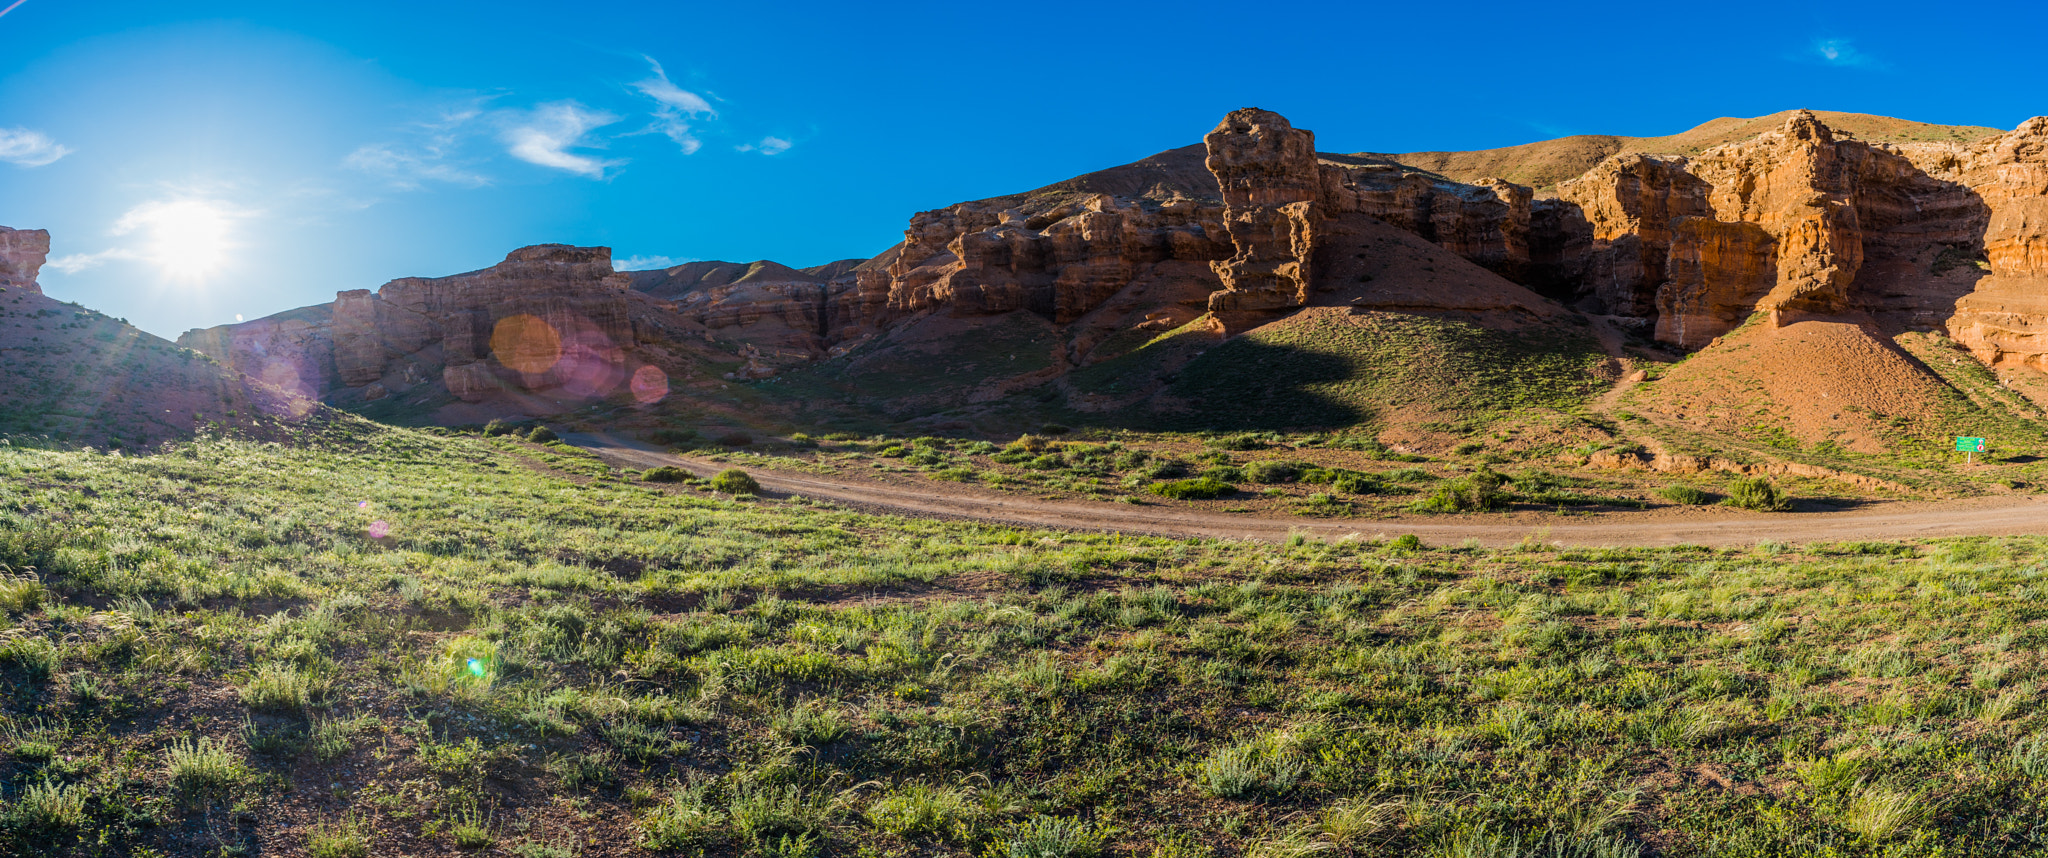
(187, 240)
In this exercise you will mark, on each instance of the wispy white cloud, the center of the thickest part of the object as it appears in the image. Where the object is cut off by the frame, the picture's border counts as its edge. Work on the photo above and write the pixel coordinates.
(72, 263)
(675, 108)
(409, 169)
(647, 263)
(24, 148)
(545, 136)
(767, 146)
(431, 158)
(1841, 53)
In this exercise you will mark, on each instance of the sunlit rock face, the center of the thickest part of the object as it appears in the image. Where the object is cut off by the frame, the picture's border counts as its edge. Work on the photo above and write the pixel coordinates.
(1271, 185)
(22, 253)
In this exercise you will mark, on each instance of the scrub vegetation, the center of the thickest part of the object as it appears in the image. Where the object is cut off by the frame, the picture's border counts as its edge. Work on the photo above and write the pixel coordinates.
(396, 642)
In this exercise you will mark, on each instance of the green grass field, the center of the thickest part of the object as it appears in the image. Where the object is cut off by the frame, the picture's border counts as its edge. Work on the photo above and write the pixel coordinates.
(394, 642)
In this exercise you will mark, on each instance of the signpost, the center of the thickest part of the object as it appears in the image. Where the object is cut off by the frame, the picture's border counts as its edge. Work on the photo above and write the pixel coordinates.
(1969, 447)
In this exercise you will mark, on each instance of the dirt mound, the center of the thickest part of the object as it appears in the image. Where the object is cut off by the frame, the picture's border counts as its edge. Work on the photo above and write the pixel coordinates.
(77, 376)
(1547, 162)
(1813, 383)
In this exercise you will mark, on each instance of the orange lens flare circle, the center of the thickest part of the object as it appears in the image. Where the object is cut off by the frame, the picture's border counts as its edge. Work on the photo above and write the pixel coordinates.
(650, 385)
(526, 343)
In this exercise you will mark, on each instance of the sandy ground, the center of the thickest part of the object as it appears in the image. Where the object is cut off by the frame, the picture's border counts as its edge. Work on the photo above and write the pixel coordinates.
(1714, 526)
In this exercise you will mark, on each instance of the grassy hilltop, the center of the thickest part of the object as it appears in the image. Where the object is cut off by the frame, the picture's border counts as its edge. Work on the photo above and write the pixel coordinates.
(220, 650)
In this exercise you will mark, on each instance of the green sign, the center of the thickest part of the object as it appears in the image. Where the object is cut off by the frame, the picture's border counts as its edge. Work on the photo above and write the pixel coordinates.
(1969, 445)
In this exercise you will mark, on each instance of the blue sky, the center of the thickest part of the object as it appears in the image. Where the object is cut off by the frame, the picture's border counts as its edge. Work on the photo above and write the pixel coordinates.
(199, 161)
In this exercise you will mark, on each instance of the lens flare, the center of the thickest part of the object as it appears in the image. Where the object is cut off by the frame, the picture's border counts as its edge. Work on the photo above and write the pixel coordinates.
(526, 343)
(650, 385)
(187, 239)
(476, 668)
(379, 529)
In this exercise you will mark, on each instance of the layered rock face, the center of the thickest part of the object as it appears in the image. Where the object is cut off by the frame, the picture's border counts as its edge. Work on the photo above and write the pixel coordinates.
(1795, 220)
(22, 253)
(548, 317)
(1062, 262)
(2004, 319)
(1271, 185)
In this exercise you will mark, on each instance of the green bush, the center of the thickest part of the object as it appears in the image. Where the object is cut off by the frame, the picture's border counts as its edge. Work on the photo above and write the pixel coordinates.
(665, 474)
(1271, 471)
(802, 440)
(1478, 492)
(1048, 837)
(1758, 493)
(496, 428)
(1688, 495)
(1199, 489)
(1224, 474)
(735, 482)
(542, 435)
(1242, 441)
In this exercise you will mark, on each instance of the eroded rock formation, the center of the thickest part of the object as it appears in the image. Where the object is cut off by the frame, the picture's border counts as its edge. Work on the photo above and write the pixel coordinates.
(22, 253)
(1271, 184)
(550, 317)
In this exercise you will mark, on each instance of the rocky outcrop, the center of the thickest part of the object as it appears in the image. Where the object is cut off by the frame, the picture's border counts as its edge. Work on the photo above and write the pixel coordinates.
(1488, 223)
(22, 253)
(1271, 184)
(2003, 319)
(549, 318)
(1719, 272)
(1626, 206)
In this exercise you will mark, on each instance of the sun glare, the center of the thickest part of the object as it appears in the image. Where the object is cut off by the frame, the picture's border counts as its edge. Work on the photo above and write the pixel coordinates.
(185, 239)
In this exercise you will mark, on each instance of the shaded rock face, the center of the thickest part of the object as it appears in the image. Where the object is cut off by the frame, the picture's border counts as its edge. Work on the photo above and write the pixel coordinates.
(1271, 185)
(22, 253)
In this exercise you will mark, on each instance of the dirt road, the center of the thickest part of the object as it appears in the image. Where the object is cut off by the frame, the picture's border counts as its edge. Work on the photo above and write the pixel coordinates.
(1715, 526)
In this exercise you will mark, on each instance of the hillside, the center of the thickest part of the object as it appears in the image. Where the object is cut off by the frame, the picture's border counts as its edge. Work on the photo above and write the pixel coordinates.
(76, 376)
(1545, 163)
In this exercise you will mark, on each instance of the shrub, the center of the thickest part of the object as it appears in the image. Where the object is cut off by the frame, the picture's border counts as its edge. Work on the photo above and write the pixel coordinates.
(20, 594)
(48, 806)
(1047, 837)
(1758, 493)
(802, 440)
(920, 809)
(1030, 444)
(735, 439)
(1224, 474)
(1271, 471)
(542, 435)
(278, 687)
(1200, 489)
(36, 658)
(734, 481)
(1238, 442)
(343, 839)
(1048, 462)
(496, 428)
(201, 766)
(1479, 491)
(665, 474)
(1054, 429)
(1688, 495)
